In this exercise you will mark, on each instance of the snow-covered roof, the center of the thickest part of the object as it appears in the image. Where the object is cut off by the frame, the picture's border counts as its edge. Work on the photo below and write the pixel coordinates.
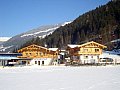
(7, 58)
(53, 49)
(72, 46)
(62, 53)
(62, 50)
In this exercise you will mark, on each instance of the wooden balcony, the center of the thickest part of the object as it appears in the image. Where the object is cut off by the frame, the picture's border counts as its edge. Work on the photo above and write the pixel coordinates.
(92, 52)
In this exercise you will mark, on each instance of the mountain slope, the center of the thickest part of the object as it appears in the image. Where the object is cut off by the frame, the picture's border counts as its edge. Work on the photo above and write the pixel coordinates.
(19, 40)
(101, 25)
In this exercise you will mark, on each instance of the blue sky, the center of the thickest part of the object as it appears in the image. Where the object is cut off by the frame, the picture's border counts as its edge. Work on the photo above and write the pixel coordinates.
(18, 16)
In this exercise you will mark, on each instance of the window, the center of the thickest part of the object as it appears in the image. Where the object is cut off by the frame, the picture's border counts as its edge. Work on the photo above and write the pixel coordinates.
(85, 50)
(91, 56)
(38, 62)
(44, 53)
(97, 57)
(85, 57)
(40, 53)
(35, 62)
(28, 62)
(96, 50)
(42, 62)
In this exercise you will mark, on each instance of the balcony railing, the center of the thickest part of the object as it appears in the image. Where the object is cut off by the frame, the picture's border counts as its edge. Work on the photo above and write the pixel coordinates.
(89, 52)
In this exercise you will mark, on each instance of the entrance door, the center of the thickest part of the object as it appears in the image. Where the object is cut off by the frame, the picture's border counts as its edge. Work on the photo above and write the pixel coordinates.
(23, 62)
(38, 62)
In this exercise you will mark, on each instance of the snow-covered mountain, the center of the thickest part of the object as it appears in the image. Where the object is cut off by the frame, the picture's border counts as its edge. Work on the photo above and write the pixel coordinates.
(4, 39)
(20, 39)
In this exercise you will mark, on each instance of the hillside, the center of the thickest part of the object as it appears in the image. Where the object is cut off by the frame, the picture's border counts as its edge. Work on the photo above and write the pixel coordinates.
(101, 25)
(20, 39)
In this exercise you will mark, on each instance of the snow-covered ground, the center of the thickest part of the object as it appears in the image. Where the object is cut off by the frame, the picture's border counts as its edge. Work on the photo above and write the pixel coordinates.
(60, 78)
(115, 52)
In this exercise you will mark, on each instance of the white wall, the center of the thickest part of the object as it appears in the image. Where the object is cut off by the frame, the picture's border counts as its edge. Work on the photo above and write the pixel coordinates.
(47, 61)
(90, 59)
(0, 62)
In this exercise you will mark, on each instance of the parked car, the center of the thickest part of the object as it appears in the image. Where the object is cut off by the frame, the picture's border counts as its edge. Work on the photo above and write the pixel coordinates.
(106, 59)
(9, 65)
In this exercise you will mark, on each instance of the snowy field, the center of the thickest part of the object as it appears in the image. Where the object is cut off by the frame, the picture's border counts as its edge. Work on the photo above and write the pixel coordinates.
(60, 78)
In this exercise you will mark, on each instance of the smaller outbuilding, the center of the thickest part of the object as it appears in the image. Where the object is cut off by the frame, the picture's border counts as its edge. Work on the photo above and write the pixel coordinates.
(9, 59)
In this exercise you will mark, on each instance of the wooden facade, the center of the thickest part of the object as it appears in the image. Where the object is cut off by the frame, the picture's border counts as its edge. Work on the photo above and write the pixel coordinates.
(88, 52)
(39, 53)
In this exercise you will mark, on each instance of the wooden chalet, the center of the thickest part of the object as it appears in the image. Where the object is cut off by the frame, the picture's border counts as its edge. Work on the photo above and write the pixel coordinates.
(86, 53)
(39, 55)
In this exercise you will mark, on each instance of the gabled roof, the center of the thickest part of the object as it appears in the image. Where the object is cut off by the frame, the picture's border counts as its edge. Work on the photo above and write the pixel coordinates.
(75, 46)
(36, 46)
(33, 45)
(103, 46)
